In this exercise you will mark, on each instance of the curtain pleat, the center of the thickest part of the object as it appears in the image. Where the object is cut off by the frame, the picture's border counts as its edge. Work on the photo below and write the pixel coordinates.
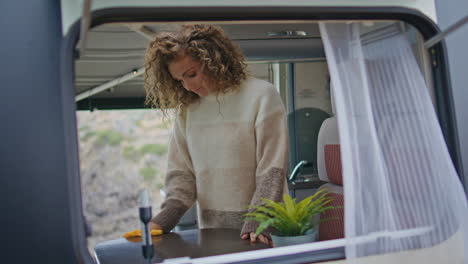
(399, 182)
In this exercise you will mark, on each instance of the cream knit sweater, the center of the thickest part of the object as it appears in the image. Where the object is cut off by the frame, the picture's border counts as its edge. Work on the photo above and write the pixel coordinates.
(227, 153)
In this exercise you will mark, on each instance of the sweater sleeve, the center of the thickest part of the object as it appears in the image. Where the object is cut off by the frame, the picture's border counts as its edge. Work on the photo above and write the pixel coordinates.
(271, 153)
(180, 186)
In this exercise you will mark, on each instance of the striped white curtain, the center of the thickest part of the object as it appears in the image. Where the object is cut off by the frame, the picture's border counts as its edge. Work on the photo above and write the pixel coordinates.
(400, 186)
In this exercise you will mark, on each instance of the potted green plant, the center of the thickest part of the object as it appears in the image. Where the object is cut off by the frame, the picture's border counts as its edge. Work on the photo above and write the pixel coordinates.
(293, 223)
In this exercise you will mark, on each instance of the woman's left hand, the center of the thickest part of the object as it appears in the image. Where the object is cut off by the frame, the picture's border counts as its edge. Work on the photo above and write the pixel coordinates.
(254, 238)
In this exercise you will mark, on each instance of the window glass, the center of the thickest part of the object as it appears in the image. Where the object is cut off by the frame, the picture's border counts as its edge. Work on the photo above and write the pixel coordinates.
(312, 106)
(121, 152)
(124, 151)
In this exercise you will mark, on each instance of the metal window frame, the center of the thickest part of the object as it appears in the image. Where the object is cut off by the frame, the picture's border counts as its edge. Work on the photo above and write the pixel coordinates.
(443, 91)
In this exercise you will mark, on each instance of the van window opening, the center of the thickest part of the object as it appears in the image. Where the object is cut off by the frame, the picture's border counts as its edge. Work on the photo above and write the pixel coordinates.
(139, 138)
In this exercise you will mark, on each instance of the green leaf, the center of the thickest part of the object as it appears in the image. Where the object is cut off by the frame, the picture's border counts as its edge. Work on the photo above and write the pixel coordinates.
(264, 225)
(290, 205)
(278, 207)
(272, 213)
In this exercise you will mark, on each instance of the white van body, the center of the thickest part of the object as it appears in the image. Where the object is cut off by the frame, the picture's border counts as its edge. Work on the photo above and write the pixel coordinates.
(72, 11)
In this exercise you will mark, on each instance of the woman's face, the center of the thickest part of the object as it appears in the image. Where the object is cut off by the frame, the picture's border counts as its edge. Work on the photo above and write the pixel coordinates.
(191, 74)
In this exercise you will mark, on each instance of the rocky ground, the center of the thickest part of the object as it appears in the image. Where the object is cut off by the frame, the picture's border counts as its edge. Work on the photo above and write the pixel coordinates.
(121, 152)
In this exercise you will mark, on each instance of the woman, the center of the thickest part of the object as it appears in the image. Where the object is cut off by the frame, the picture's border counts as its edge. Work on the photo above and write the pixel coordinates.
(228, 147)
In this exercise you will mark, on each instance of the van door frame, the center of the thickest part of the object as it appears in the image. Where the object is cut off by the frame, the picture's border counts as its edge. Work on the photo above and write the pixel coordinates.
(443, 92)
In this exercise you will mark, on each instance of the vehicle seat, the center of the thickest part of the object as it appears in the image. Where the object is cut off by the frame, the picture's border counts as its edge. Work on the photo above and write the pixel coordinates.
(304, 124)
(330, 171)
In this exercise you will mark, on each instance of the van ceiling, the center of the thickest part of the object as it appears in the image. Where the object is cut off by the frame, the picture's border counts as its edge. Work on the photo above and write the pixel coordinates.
(113, 50)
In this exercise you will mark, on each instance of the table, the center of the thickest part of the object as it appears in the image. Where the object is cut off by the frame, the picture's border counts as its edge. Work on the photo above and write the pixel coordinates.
(190, 243)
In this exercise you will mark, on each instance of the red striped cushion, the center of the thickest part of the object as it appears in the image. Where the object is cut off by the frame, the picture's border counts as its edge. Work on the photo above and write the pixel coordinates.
(334, 228)
(333, 163)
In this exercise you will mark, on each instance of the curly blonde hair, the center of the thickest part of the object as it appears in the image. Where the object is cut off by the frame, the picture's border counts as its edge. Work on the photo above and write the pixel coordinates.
(222, 59)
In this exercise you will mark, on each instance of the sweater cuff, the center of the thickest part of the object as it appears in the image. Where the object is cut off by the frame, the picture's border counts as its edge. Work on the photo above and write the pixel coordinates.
(170, 215)
(249, 226)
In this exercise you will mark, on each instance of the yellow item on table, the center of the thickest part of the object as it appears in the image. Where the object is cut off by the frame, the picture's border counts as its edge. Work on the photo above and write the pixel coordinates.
(137, 233)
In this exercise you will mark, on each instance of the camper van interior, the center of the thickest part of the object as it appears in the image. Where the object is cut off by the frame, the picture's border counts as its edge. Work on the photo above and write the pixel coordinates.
(123, 143)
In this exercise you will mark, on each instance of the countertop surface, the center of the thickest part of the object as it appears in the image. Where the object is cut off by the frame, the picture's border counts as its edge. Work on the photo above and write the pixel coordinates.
(190, 243)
